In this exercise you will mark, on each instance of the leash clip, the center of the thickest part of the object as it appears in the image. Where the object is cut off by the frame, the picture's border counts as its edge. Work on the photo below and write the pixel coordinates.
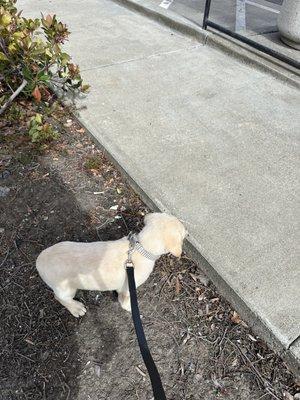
(129, 264)
(132, 242)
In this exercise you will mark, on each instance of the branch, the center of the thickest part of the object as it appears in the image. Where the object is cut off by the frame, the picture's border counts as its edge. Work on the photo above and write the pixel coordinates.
(3, 46)
(13, 96)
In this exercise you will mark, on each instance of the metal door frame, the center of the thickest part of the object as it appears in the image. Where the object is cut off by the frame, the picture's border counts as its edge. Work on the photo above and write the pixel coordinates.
(281, 57)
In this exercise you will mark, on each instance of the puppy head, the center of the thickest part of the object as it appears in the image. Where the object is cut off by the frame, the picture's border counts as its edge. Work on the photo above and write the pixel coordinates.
(169, 229)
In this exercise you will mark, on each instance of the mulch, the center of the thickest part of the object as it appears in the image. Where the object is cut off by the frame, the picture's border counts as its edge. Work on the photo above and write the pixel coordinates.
(69, 190)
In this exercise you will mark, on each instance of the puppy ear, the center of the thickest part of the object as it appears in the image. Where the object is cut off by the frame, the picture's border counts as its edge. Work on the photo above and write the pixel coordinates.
(174, 245)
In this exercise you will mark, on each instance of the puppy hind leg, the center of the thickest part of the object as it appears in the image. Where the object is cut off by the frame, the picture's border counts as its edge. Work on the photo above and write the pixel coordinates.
(65, 297)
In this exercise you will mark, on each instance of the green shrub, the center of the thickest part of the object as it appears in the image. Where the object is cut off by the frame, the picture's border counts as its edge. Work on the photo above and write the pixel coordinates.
(40, 131)
(93, 162)
(31, 53)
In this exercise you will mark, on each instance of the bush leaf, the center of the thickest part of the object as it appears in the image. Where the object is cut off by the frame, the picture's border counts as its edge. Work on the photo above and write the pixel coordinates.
(37, 94)
(3, 57)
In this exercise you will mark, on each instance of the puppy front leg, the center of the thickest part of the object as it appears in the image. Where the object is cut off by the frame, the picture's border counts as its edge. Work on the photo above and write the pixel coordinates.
(65, 297)
(124, 298)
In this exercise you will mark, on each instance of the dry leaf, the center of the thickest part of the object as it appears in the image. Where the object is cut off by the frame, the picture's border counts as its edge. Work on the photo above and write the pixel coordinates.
(202, 278)
(177, 286)
(252, 338)
(215, 300)
(236, 319)
(234, 362)
(46, 94)
(193, 276)
(186, 338)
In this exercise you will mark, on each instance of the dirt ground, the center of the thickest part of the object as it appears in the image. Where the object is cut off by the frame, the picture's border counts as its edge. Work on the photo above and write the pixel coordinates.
(202, 348)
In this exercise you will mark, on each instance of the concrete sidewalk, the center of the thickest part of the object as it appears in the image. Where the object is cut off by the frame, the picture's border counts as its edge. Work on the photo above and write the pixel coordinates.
(206, 137)
(257, 20)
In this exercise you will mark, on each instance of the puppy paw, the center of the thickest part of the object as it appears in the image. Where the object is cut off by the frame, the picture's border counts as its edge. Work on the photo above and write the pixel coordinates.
(77, 309)
(126, 305)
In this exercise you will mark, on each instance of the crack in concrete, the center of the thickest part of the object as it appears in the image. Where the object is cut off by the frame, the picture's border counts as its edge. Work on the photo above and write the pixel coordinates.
(143, 57)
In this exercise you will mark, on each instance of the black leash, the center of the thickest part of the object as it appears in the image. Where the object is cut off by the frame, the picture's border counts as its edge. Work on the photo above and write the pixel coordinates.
(157, 387)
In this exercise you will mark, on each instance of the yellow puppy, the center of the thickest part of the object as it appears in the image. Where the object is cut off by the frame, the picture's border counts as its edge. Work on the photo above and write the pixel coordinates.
(68, 266)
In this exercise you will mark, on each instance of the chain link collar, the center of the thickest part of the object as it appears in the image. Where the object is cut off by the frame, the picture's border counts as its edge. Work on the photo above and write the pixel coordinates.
(135, 245)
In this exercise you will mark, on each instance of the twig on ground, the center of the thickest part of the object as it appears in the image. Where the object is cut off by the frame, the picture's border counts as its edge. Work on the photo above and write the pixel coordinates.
(13, 96)
(264, 382)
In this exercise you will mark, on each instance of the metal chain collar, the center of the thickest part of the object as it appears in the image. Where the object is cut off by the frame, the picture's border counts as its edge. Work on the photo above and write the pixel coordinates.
(135, 245)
